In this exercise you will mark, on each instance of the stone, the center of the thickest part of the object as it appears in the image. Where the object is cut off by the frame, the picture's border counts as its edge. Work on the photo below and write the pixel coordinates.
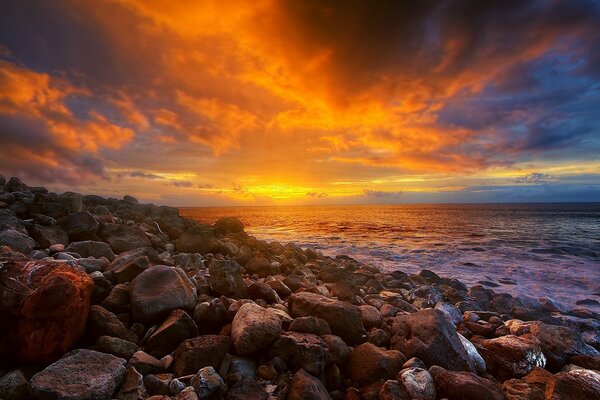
(14, 386)
(475, 358)
(175, 329)
(516, 389)
(80, 226)
(392, 390)
(196, 239)
(378, 337)
(17, 241)
(207, 382)
(43, 309)
(129, 199)
(9, 221)
(228, 225)
(462, 385)
(200, 352)
(46, 236)
(158, 384)
(337, 350)
(368, 364)
(451, 311)
(344, 319)
(123, 238)
(14, 184)
(301, 350)
(314, 325)
(430, 336)
(102, 322)
(260, 266)
(260, 290)
(117, 347)
(159, 290)
(512, 356)
(117, 300)
(91, 248)
(304, 386)
(576, 384)
(267, 372)
(133, 386)
(587, 362)
(80, 375)
(226, 278)
(254, 328)
(246, 390)
(91, 264)
(418, 383)
(145, 363)
(371, 317)
(211, 317)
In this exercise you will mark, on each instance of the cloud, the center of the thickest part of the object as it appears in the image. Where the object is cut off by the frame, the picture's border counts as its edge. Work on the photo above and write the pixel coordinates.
(379, 194)
(182, 184)
(145, 175)
(318, 195)
(534, 178)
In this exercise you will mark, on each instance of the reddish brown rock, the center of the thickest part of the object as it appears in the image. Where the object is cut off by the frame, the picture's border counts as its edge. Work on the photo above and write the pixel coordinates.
(176, 328)
(43, 309)
(368, 363)
(304, 386)
(200, 352)
(462, 385)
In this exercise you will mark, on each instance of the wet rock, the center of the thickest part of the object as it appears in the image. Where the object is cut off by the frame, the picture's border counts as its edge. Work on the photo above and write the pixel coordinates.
(418, 383)
(14, 386)
(589, 328)
(226, 278)
(46, 236)
(451, 311)
(368, 363)
(145, 363)
(175, 329)
(17, 241)
(133, 386)
(301, 350)
(462, 385)
(306, 387)
(82, 374)
(102, 322)
(43, 309)
(91, 248)
(196, 239)
(207, 382)
(575, 384)
(254, 328)
(344, 319)
(80, 226)
(316, 326)
(159, 290)
(475, 358)
(513, 356)
(123, 238)
(431, 337)
(200, 352)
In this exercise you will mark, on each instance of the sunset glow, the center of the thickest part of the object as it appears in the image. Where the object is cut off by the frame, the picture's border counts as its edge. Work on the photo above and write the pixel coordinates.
(303, 102)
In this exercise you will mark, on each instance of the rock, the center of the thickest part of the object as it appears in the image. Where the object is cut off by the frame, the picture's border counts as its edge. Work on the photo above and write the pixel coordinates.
(14, 184)
(368, 363)
(175, 329)
(267, 372)
(17, 241)
(337, 350)
(145, 363)
(246, 390)
(43, 309)
(200, 352)
(91, 248)
(282, 290)
(516, 389)
(226, 278)
(91, 264)
(306, 387)
(228, 225)
(418, 383)
(589, 328)
(243, 367)
(587, 362)
(9, 221)
(46, 236)
(378, 337)
(102, 322)
(133, 386)
(211, 317)
(451, 311)
(117, 347)
(57, 248)
(196, 239)
(159, 290)
(260, 266)
(392, 390)
(316, 326)
(129, 199)
(371, 317)
(430, 336)
(81, 374)
(576, 384)
(512, 356)
(344, 319)
(301, 350)
(259, 290)
(123, 238)
(475, 358)
(462, 385)
(14, 386)
(254, 328)
(80, 226)
(117, 300)
(207, 382)
(158, 384)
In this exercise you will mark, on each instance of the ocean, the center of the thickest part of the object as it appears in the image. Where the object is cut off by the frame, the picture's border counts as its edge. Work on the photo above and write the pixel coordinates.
(550, 250)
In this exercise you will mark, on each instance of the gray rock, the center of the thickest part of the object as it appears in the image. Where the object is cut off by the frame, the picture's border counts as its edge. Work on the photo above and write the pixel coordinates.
(14, 386)
(133, 386)
(418, 383)
(46, 236)
(123, 238)
(226, 278)
(477, 361)
(91, 248)
(80, 226)
(117, 347)
(17, 241)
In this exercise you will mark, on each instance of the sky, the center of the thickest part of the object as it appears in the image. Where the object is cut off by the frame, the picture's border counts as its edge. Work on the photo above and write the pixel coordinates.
(217, 103)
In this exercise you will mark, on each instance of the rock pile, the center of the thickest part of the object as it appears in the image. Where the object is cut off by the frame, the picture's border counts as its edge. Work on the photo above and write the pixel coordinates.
(105, 298)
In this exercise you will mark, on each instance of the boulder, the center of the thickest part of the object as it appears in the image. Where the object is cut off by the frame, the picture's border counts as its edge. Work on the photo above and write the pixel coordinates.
(368, 364)
(227, 225)
(304, 386)
(91, 248)
(392, 390)
(337, 350)
(14, 184)
(17, 241)
(301, 350)
(133, 386)
(462, 385)
(80, 226)
(418, 383)
(159, 290)
(14, 386)
(314, 325)
(102, 322)
(175, 329)
(344, 319)
(260, 266)
(574, 385)
(196, 239)
(80, 375)
(260, 290)
(430, 336)
(200, 352)
(46, 236)
(43, 309)
(207, 382)
(254, 328)
(371, 317)
(123, 238)
(226, 278)
(117, 347)
(513, 356)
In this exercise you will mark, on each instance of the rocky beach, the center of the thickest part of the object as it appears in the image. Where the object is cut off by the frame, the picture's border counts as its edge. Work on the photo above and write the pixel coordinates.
(104, 298)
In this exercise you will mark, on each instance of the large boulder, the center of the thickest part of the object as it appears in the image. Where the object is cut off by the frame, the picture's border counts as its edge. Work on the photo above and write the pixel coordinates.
(431, 337)
(80, 375)
(102, 322)
(80, 226)
(196, 239)
(574, 385)
(254, 328)
(43, 309)
(227, 225)
(462, 385)
(46, 236)
(159, 290)
(200, 352)
(368, 364)
(226, 278)
(123, 238)
(91, 248)
(304, 386)
(9, 221)
(513, 356)
(17, 241)
(344, 319)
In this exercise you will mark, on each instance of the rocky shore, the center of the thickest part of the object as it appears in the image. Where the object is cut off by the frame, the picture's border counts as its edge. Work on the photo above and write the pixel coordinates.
(111, 299)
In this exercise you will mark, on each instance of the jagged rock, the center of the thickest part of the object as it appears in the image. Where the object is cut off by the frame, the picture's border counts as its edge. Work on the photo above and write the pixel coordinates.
(368, 363)
(392, 390)
(200, 352)
(80, 375)
(259, 290)
(344, 319)
(226, 278)
(17, 241)
(91, 248)
(14, 184)
(516, 389)
(431, 337)
(102, 322)
(159, 290)
(80, 226)
(145, 363)
(304, 386)
(133, 386)
(43, 309)
(301, 350)
(123, 238)
(462, 385)
(513, 356)
(207, 382)
(418, 383)
(254, 328)
(176, 328)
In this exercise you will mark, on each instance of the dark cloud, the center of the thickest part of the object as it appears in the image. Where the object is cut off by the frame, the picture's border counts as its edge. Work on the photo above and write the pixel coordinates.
(318, 195)
(379, 194)
(145, 175)
(182, 184)
(535, 178)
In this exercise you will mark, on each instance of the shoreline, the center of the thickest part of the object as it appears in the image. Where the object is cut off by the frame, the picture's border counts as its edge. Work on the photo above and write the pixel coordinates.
(150, 304)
